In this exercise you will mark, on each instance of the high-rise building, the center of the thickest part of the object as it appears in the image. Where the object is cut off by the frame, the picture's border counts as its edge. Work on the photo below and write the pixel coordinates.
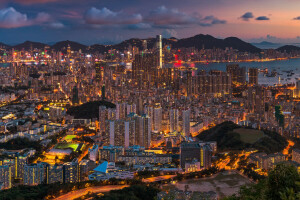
(5, 176)
(35, 174)
(120, 133)
(75, 97)
(99, 71)
(238, 74)
(157, 118)
(159, 50)
(297, 90)
(111, 153)
(253, 76)
(105, 113)
(55, 174)
(195, 152)
(71, 172)
(186, 122)
(174, 120)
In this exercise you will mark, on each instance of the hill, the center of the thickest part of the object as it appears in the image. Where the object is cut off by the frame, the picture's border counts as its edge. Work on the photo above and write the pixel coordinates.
(198, 41)
(63, 45)
(30, 45)
(88, 110)
(288, 48)
(209, 42)
(230, 136)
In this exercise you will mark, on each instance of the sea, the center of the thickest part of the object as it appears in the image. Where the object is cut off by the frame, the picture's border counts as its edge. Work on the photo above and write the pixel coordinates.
(282, 67)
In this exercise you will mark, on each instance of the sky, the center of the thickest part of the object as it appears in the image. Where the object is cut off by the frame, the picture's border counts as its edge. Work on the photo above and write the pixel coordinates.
(112, 21)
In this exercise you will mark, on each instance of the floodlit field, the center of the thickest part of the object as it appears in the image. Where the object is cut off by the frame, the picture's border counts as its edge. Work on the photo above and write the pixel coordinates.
(69, 138)
(74, 146)
(249, 135)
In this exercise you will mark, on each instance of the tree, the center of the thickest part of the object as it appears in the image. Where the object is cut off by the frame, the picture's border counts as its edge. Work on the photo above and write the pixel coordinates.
(282, 180)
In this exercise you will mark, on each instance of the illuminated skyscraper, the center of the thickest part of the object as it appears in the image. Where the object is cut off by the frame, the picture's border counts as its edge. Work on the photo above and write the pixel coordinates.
(157, 118)
(174, 120)
(238, 74)
(159, 50)
(35, 174)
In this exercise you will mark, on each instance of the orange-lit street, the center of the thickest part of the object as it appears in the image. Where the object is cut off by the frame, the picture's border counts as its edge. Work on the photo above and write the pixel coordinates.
(286, 150)
(158, 178)
(82, 192)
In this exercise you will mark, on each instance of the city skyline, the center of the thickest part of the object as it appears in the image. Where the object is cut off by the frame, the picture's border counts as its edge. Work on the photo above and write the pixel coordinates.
(110, 22)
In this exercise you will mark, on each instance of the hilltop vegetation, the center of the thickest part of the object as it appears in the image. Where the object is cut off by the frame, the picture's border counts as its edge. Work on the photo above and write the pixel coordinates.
(230, 136)
(89, 110)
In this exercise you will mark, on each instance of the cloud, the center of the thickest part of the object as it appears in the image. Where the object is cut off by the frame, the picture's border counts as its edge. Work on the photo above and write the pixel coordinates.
(173, 18)
(211, 20)
(11, 18)
(247, 16)
(56, 25)
(28, 2)
(262, 18)
(165, 16)
(296, 18)
(105, 16)
(168, 33)
(139, 26)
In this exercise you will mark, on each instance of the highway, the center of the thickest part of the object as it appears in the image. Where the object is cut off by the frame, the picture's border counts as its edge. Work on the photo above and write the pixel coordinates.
(98, 189)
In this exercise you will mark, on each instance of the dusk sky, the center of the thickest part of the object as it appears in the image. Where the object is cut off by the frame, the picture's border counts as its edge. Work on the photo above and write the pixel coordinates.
(111, 21)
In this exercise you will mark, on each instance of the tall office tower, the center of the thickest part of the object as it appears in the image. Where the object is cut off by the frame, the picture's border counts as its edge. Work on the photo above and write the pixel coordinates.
(157, 118)
(159, 50)
(238, 74)
(55, 174)
(253, 76)
(35, 174)
(105, 113)
(195, 151)
(186, 122)
(75, 97)
(120, 133)
(5, 176)
(93, 153)
(71, 172)
(99, 71)
(174, 120)
(145, 45)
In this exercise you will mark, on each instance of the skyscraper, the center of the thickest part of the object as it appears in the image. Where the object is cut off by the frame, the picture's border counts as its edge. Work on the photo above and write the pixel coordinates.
(5, 176)
(157, 118)
(159, 50)
(238, 74)
(253, 76)
(174, 120)
(186, 122)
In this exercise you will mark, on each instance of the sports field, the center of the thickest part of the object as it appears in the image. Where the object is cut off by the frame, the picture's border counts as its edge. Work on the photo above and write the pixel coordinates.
(73, 146)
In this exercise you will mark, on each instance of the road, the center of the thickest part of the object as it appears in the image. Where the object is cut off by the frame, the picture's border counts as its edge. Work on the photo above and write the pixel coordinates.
(98, 189)
(158, 178)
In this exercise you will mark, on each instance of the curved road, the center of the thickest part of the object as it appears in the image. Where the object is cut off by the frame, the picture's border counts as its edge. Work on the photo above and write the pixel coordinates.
(98, 189)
